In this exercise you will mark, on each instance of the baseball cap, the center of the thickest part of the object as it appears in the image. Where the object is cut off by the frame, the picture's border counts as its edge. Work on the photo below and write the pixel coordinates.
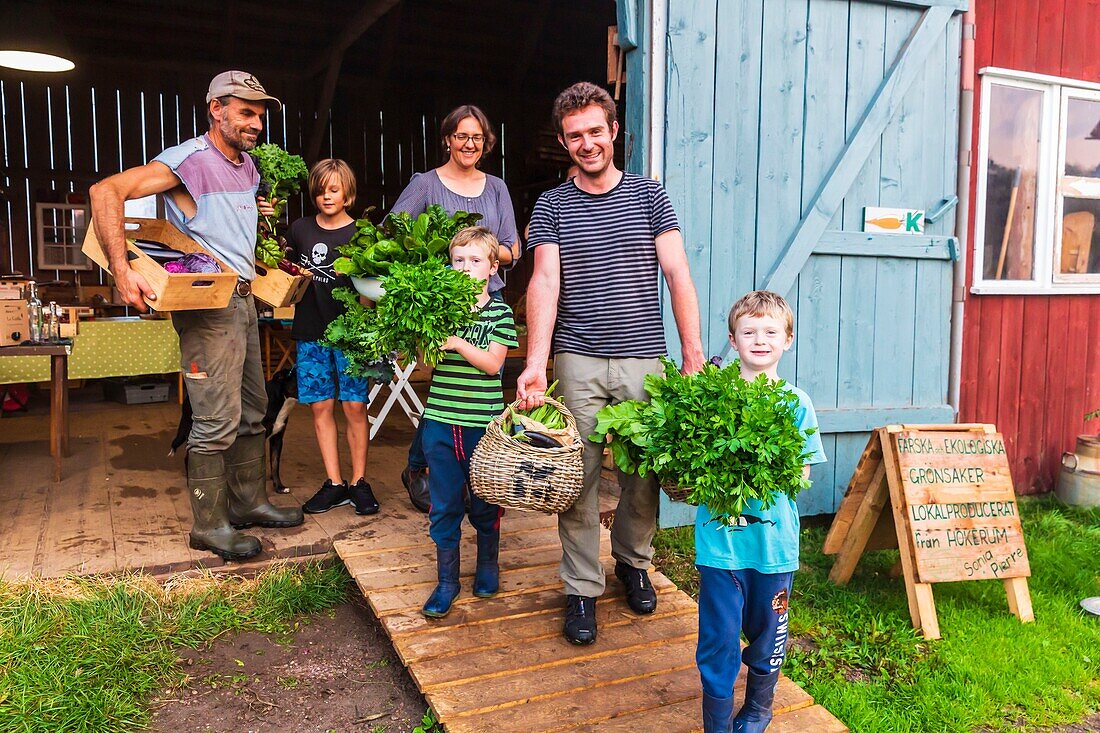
(242, 85)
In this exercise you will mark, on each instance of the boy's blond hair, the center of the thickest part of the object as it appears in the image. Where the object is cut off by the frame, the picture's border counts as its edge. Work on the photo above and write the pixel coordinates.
(479, 237)
(762, 303)
(324, 171)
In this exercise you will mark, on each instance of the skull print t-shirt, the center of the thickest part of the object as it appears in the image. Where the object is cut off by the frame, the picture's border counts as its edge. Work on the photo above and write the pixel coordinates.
(315, 249)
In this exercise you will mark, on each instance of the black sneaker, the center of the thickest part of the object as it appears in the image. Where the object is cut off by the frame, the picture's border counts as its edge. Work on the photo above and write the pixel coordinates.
(363, 497)
(415, 481)
(640, 595)
(329, 496)
(580, 619)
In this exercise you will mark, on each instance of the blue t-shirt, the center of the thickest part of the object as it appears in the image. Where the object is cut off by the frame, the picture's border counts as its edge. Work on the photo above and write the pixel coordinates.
(765, 540)
(225, 201)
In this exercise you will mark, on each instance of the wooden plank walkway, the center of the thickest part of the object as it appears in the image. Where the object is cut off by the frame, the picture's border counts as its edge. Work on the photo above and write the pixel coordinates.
(122, 503)
(501, 664)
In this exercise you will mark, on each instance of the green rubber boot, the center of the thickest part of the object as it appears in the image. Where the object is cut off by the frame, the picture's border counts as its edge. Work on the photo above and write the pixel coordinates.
(211, 530)
(246, 473)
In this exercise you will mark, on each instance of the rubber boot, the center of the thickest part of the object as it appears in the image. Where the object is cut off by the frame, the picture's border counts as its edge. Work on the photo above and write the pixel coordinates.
(487, 575)
(755, 715)
(717, 714)
(439, 602)
(247, 477)
(211, 530)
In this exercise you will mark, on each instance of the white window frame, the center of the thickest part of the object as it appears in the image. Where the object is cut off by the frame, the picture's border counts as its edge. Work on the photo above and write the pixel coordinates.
(1046, 278)
(80, 261)
(1068, 93)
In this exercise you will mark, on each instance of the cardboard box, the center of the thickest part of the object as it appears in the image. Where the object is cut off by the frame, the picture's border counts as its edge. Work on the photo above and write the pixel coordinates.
(284, 314)
(277, 288)
(175, 292)
(134, 391)
(12, 289)
(14, 322)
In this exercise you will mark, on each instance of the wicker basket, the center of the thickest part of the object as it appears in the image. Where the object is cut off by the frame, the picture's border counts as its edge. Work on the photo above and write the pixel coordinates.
(675, 492)
(513, 474)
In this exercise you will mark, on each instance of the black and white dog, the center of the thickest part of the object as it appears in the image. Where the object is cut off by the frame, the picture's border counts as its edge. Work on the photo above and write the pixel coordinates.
(282, 396)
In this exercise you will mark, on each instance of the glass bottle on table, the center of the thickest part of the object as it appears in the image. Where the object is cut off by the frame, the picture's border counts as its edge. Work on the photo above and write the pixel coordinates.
(53, 321)
(34, 313)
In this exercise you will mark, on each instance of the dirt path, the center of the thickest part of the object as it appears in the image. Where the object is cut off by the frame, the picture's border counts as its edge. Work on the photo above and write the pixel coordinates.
(336, 672)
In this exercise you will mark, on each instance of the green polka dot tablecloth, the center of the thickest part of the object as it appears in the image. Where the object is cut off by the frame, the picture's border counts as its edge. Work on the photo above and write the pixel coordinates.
(106, 347)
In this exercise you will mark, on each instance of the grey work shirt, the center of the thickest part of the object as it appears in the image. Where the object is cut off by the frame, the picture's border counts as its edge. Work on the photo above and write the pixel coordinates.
(494, 204)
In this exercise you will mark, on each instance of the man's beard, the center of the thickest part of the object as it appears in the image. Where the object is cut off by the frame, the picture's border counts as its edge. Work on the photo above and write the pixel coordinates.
(235, 138)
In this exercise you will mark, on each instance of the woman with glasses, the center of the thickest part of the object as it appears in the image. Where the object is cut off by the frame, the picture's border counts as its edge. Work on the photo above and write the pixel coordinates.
(459, 185)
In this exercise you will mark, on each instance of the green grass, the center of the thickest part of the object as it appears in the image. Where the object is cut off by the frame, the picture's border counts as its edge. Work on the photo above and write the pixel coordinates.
(858, 655)
(88, 654)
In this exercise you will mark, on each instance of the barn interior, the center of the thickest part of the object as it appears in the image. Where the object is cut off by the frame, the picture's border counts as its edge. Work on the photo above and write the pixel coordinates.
(365, 81)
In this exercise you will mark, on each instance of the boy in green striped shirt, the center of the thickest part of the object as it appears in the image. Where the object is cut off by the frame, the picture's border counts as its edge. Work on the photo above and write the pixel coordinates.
(465, 395)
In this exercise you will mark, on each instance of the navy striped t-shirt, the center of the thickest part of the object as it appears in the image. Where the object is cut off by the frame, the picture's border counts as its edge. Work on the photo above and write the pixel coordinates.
(610, 302)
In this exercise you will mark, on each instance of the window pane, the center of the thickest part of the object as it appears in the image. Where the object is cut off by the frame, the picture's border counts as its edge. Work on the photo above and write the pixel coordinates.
(1083, 137)
(1010, 195)
(1080, 238)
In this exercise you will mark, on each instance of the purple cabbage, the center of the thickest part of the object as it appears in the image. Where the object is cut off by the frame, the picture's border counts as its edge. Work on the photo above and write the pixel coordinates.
(195, 262)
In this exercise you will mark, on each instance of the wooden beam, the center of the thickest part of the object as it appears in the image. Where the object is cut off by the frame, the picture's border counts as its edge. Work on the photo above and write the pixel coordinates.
(864, 419)
(530, 44)
(883, 107)
(355, 28)
(366, 17)
(959, 5)
(860, 244)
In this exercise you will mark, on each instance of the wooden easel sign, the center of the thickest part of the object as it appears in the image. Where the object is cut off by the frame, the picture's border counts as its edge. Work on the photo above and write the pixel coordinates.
(952, 514)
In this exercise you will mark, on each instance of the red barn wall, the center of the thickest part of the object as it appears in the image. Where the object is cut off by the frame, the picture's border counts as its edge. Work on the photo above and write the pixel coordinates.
(1031, 364)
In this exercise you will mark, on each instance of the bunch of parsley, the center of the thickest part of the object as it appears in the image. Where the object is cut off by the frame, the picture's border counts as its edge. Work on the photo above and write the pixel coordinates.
(400, 238)
(281, 176)
(355, 333)
(727, 439)
(422, 306)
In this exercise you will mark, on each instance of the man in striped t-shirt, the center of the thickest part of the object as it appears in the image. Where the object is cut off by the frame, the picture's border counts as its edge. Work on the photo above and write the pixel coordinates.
(464, 397)
(594, 298)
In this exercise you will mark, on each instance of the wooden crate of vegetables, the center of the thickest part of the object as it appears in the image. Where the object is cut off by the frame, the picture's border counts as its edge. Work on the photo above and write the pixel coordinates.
(279, 282)
(280, 288)
(178, 291)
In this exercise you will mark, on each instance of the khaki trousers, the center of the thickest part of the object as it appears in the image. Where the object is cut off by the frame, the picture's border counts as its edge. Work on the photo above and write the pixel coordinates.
(588, 384)
(226, 386)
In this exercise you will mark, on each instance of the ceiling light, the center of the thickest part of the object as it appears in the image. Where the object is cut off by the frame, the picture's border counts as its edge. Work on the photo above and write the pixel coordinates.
(33, 61)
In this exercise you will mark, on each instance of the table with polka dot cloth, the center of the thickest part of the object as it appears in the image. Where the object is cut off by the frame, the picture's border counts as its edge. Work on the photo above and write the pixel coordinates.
(106, 347)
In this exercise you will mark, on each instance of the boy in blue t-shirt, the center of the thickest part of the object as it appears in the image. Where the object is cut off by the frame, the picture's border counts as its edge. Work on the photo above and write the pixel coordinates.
(746, 567)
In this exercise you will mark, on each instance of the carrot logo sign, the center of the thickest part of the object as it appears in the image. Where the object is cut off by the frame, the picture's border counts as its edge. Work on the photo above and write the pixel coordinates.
(893, 221)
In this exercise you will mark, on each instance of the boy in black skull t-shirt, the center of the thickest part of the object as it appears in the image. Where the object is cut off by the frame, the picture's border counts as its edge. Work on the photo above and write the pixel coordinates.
(321, 378)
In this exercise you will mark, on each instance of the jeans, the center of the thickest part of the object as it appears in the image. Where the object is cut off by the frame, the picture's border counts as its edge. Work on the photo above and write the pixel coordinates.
(736, 601)
(448, 449)
(220, 358)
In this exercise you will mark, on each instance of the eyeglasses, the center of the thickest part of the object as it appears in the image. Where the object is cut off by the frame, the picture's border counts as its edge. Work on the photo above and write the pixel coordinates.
(462, 137)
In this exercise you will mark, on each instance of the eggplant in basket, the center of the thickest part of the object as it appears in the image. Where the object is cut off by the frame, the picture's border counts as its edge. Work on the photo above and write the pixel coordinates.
(536, 439)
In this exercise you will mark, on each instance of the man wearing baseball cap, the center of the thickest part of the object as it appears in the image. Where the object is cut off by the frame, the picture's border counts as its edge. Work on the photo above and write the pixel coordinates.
(208, 187)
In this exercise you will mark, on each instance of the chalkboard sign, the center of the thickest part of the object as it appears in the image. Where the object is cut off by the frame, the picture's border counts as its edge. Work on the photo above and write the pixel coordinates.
(953, 514)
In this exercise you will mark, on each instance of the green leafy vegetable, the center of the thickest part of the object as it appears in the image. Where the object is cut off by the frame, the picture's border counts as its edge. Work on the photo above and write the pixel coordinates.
(728, 439)
(281, 176)
(423, 305)
(400, 238)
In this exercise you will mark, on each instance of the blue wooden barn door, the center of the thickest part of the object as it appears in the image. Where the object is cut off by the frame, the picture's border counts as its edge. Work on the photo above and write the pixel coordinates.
(785, 118)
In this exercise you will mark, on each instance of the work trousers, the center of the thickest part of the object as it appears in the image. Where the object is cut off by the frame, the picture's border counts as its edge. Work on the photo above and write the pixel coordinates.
(589, 384)
(448, 449)
(220, 359)
(736, 601)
